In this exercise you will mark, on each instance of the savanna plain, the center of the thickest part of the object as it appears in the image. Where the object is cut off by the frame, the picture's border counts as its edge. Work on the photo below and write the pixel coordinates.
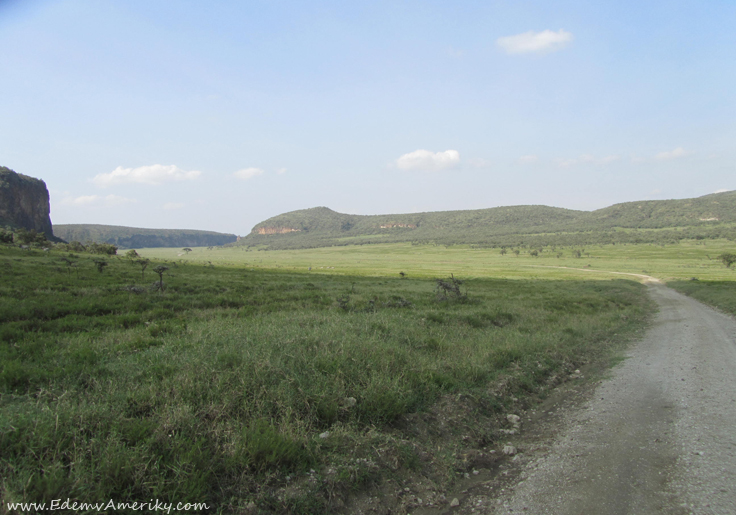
(296, 381)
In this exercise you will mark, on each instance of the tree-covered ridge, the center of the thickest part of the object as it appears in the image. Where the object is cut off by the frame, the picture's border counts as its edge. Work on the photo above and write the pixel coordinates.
(710, 216)
(133, 237)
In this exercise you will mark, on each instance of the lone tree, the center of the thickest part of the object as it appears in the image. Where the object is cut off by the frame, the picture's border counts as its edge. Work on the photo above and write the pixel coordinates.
(727, 259)
(160, 269)
(187, 250)
(132, 254)
(448, 289)
(100, 264)
(70, 264)
(143, 263)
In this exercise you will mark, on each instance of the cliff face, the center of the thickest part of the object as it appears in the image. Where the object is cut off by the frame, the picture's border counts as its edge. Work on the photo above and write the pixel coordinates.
(24, 202)
(275, 230)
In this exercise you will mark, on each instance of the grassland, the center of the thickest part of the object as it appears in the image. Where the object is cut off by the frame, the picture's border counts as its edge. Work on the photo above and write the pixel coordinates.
(254, 384)
(670, 262)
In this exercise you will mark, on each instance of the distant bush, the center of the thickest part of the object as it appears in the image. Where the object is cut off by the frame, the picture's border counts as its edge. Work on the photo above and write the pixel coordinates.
(727, 259)
(31, 237)
(102, 248)
(73, 246)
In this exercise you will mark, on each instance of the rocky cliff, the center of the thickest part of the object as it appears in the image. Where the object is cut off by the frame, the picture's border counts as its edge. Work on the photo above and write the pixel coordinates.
(24, 202)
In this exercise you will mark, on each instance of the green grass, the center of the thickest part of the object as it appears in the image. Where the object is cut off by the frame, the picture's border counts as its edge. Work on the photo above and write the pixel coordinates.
(679, 261)
(720, 294)
(253, 383)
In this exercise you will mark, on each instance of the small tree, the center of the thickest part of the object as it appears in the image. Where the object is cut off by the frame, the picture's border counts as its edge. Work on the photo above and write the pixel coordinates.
(727, 259)
(534, 253)
(447, 289)
(131, 254)
(516, 252)
(160, 270)
(69, 264)
(186, 249)
(503, 251)
(143, 263)
(100, 264)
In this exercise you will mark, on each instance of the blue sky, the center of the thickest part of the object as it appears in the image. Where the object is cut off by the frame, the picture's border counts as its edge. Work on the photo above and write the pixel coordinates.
(217, 115)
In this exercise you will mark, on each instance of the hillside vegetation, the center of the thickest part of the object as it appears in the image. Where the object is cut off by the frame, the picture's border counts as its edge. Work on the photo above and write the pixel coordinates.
(656, 221)
(132, 237)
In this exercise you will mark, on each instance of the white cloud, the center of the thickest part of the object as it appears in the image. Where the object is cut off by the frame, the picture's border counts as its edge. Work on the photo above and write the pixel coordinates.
(528, 159)
(429, 161)
(722, 190)
(173, 205)
(535, 42)
(281, 171)
(153, 174)
(97, 201)
(673, 154)
(248, 173)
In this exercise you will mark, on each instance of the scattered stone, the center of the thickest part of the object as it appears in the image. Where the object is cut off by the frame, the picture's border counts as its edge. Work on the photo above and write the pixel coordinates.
(350, 402)
(455, 502)
(509, 450)
(324, 435)
(514, 419)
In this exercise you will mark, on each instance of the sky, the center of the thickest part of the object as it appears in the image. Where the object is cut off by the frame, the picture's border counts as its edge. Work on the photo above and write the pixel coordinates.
(217, 115)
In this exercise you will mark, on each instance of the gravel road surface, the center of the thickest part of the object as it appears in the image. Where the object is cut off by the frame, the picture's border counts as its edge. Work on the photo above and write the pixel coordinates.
(658, 436)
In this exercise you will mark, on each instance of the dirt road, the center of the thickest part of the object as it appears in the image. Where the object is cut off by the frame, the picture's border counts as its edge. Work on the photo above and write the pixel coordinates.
(658, 436)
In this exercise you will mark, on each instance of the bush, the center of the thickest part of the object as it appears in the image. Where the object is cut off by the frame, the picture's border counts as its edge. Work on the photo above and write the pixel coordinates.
(24, 237)
(727, 259)
(102, 248)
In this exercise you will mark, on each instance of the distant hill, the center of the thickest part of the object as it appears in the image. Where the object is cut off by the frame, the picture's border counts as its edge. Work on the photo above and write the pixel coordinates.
(710, 216)
(132, 237)
(24, 202)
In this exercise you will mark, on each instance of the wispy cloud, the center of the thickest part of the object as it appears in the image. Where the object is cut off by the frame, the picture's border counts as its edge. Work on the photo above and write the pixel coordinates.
(153, 174)
(528, 159)
(672, 154)
(281, 171)
(248, 173)
(535, 42)
(97, 201)
(425, 160)
(169, 206)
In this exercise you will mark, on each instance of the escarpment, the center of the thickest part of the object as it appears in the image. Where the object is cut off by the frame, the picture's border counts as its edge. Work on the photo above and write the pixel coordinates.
(24, 202)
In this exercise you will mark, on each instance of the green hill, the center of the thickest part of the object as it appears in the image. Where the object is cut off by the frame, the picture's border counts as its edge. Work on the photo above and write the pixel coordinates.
(710, 216)
(132, 237)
